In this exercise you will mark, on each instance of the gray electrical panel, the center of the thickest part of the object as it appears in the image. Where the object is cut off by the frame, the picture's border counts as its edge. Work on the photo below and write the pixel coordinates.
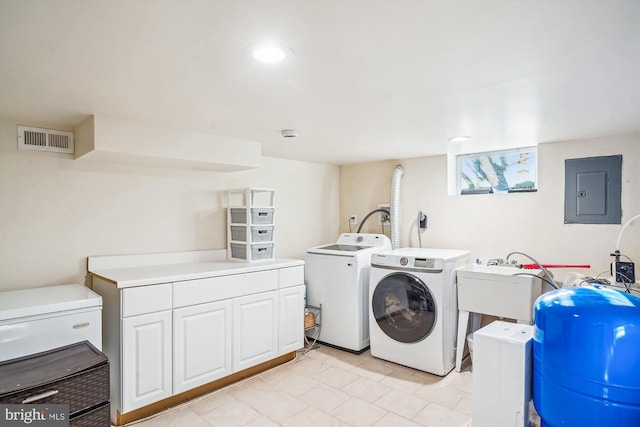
(592, 190)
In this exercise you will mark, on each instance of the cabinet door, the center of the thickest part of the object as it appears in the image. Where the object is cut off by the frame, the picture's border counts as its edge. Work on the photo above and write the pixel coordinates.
(202, 344)
(291, 319)
(255, 333)
(146, 359)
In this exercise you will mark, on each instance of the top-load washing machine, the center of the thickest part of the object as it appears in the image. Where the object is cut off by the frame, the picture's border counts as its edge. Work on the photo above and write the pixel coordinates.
(337, 277)
(413, 307)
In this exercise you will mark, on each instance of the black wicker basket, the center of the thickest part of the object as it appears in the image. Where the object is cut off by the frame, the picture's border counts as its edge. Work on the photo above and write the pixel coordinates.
(76, 375)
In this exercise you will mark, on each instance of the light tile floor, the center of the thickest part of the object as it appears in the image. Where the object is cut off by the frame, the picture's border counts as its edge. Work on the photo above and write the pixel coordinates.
(328, 387)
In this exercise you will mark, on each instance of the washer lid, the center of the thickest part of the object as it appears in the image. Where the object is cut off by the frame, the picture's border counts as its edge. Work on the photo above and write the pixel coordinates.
(350, 243)
(342, 248)
(48, 299)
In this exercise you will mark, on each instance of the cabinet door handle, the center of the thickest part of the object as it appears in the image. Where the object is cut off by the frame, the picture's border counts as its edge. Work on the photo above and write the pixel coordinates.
(40, 396)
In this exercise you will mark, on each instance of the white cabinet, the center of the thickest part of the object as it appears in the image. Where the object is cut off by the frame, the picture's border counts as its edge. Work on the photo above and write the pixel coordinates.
(291, 310)
(165, 339)
(255, 331)
(146, 359)
(202, 344)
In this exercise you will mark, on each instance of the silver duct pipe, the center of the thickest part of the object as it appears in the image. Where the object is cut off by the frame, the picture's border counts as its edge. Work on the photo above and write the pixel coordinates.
(395, 206)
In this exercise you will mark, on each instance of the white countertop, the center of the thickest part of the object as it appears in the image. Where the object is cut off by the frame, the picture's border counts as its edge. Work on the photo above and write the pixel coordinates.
(129, 276)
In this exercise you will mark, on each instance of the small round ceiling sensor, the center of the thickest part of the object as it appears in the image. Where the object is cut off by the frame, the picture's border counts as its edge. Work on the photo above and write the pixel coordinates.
(290, 133)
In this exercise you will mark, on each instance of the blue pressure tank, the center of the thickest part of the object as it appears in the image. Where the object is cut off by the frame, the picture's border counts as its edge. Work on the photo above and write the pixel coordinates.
(586, 358)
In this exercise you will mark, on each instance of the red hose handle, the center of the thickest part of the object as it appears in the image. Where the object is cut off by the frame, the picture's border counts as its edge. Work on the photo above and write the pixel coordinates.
(532, 266)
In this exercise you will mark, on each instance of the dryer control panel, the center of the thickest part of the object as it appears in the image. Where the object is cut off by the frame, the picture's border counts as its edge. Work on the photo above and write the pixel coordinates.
(406, 262)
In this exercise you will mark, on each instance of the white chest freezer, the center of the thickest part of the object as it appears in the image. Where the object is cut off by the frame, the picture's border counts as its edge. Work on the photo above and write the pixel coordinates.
(40, 319)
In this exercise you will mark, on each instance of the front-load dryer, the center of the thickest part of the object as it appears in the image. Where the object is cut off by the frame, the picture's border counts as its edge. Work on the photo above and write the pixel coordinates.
(413, 307)
(337, 279)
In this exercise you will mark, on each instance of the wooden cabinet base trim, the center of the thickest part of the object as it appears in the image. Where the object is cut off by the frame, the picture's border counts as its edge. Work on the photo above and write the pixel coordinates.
(178, 399)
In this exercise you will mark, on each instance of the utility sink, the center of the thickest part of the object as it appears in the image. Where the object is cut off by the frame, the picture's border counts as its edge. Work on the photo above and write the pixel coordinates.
(495, 290)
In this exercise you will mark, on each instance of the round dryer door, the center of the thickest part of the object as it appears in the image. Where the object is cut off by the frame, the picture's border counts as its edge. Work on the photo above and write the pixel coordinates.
(404, 308)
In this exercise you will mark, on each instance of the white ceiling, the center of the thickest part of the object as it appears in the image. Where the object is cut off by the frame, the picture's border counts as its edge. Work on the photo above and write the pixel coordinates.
(369, 80)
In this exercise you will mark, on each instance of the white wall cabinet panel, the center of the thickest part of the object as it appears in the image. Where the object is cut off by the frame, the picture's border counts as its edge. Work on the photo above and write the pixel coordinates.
(255, 330)
(202, 344)
(291, 322)
(146, 354)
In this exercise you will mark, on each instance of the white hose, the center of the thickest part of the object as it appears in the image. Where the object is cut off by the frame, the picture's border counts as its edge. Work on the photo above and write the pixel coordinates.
(625, 226)
(395, 206)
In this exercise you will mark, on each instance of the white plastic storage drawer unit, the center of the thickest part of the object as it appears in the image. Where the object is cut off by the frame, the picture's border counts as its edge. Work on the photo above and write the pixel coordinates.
(40, 319)
(250, 224)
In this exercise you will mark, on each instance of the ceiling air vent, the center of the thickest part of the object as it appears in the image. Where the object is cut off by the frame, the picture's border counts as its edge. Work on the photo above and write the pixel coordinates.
(39, 139)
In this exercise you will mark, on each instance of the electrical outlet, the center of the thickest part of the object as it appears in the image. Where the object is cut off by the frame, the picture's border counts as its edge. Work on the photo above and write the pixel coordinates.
(382, 217)
(353, 218)
(423, 221)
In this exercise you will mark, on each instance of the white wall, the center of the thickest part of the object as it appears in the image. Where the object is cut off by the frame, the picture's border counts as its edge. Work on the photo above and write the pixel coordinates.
(491, 226)
(56, 211)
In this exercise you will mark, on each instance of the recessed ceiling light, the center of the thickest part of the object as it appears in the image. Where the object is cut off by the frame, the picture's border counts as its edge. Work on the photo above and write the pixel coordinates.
(269, 52)
(460, 139)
